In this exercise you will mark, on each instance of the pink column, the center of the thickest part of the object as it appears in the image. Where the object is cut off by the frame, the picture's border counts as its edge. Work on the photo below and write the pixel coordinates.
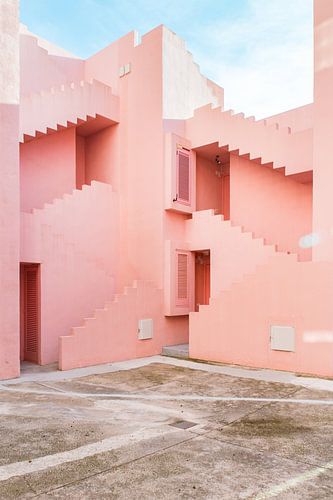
(9, 190)
(323, 130)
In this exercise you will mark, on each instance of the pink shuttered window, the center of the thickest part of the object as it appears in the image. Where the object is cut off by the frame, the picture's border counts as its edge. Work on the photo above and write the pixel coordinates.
(183, 177)
(182, 278)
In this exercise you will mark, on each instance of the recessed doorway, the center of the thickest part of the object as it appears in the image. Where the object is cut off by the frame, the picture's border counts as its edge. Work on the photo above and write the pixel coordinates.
(30, 312)
(202, 278)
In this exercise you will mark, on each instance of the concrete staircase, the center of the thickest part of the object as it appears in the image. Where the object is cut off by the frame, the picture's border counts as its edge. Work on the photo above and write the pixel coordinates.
(65, 106)
(111, 334)
(176, 351)
(234, 253)
(76, 246)
(79, 218)
(262, 141)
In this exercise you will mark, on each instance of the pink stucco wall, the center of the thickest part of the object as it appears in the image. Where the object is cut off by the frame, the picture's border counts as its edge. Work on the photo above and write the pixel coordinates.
(257, 139)
(279, 293)
(93, 243)
(48, 70)
(80, 159)
(101, 156)
(233, 252)
(209, 186)
(47, 169)
(297, 119)
(98, 339)
(323, 131)
(271, 205)
(95, 66)
(75, 237)
(76, 242)
(9, 190)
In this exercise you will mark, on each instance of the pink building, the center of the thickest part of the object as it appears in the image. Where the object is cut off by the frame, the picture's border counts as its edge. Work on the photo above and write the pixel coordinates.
(136, 213)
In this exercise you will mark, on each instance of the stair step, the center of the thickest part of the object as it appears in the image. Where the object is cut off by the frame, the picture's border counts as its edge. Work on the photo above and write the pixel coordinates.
(176, 351)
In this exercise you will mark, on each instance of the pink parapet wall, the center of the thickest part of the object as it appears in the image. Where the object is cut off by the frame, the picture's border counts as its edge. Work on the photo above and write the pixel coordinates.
(47, 169)
(48, 69)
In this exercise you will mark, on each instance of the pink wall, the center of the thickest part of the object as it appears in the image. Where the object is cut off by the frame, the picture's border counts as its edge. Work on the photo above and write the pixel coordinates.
(233, 253)
(112, 333)
(209, 185)
(323, 131)
(131, 154)
(76, 240)
(101, 156)
(95, 66)
(270, 204)
(9, 191)
(48, 70)
(141, 179)
(297, 119)
(47, 168)
(279, 293)
(80, 161)
(87, 238)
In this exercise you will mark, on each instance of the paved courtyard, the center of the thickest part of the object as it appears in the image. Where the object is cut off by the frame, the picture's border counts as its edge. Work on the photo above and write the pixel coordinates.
(164, 428)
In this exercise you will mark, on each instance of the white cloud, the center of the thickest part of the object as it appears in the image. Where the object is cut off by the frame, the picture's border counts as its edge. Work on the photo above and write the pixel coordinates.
(263, 59)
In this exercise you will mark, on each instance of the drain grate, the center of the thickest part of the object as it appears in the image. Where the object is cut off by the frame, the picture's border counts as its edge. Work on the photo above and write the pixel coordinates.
(183, 424)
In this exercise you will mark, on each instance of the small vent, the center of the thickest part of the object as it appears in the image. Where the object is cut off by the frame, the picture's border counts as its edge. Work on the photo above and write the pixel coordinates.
(182, 278)
(31, 311)
(183, 177)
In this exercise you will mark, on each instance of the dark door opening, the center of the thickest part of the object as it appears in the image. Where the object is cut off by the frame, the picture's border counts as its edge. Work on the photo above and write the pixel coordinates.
(30, 312)
(226, 194)
(202, 278)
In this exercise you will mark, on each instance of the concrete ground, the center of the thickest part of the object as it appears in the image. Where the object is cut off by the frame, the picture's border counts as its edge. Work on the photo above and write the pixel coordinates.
(164, 428)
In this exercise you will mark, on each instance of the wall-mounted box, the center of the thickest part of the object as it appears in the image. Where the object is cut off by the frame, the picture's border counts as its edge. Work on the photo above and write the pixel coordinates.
(145, 329)
(282, 338)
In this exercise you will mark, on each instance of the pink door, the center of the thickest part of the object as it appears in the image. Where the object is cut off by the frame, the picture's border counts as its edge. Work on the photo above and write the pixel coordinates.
(30, 313)
(202, 278)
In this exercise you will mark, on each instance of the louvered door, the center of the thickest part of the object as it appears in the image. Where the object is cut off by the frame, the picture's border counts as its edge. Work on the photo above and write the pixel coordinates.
(182, 278)
(30, 309)
(183, 177)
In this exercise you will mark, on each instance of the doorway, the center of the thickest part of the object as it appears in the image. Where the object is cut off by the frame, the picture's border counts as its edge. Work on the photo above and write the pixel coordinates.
(226, 194)
(202, 278)
(30, 312)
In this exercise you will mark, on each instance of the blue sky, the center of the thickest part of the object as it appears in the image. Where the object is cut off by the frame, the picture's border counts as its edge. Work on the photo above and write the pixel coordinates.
(260, 51)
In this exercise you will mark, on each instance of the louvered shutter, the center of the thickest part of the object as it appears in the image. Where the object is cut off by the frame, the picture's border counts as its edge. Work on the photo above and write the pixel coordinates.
(31, 314)
(182, 278)
(183, 177)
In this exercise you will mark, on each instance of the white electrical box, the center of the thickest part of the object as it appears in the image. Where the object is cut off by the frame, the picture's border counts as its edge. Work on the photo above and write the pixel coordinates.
(282, 338)
(145, 329)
